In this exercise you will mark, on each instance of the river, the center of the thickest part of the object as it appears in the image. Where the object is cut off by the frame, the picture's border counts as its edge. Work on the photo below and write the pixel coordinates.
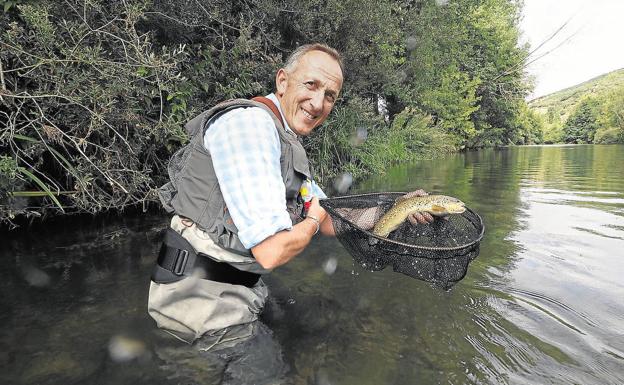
(541, 304)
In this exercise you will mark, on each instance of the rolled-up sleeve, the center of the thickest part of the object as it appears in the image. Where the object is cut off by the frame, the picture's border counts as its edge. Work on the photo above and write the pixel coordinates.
(245, 150)
(317, 192)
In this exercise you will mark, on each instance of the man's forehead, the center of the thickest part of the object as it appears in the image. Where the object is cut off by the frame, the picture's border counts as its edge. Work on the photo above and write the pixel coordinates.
(321, 64)
(322, 68)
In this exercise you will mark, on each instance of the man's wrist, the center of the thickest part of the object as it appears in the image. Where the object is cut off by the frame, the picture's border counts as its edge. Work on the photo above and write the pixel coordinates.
(316, 221)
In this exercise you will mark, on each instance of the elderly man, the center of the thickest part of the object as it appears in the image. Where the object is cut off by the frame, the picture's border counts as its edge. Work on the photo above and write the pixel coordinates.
(235, 196)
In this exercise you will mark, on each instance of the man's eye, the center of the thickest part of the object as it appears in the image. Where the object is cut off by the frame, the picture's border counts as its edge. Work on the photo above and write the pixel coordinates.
(330, 98)
(309, 84)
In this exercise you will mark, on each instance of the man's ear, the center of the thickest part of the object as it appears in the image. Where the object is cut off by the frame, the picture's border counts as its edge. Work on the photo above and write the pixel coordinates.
(281, 79)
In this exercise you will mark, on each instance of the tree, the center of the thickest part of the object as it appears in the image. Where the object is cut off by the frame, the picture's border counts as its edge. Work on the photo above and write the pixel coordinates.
(582, 123)
(94, 94)
(611, 119)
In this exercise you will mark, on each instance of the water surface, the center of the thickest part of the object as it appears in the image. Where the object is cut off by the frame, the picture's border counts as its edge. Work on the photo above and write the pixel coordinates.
(541, 304)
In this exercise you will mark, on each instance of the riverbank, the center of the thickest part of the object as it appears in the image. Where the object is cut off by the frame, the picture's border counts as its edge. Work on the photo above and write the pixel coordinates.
(87, 130)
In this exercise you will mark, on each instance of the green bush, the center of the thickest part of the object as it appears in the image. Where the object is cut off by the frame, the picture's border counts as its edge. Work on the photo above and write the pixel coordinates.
(86, 112)
(611, 135)
(582, 123)
(94, 94)
(357, 141)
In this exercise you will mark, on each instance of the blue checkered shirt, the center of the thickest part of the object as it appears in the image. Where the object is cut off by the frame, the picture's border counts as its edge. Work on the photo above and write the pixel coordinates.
(245, 149)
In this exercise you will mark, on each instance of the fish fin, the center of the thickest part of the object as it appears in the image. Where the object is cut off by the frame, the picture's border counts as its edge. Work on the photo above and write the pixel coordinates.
(400, 199)
(438, 210)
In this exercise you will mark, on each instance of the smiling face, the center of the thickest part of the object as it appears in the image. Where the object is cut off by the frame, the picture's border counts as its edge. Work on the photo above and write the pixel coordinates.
(308, 92)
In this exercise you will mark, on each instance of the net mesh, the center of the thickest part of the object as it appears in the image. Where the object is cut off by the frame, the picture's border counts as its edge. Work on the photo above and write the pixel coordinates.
(438, 252)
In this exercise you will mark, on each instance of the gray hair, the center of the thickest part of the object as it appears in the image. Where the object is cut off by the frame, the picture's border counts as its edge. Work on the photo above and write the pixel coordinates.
(293, 58)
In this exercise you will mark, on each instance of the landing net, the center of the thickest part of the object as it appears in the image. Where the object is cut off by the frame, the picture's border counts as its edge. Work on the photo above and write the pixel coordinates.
(438, 252)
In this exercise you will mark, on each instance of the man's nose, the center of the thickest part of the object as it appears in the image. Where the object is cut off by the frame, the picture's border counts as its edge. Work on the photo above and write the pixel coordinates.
(317, 101)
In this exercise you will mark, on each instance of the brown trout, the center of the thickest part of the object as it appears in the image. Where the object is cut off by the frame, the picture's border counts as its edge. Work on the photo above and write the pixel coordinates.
(438, 205)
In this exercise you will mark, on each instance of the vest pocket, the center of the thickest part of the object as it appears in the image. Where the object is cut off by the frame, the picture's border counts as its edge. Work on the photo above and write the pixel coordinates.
(208, 216)
(228, 237)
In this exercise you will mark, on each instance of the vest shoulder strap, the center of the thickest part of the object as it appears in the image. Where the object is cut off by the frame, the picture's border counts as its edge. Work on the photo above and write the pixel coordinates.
(269, 103)
(195, 126)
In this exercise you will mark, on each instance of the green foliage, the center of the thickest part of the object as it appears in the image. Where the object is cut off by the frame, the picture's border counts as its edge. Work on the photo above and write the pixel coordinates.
(453, 103)
(46, 190)
(8, 182)
(12, 178)
(558, 108)
(466, 68)
(85, 114)
(552, 134)
(335, 146)
(95, 93)
(11, 5)
(582, 124)
(530, 125)
(613, 135)
(552, 126)
(340, 146)
(584, 113)
(421, 139)
(612, 114)
(566, 100)
(8, 169)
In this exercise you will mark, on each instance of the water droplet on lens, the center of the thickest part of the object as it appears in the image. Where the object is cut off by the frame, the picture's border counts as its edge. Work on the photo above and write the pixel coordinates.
(343, 182)
(321, 378)
(411, 43)
(361, 133)
(329, 266)
(124, 349)
(36, 277)
(199, 272)
(401, 76)
(359, 136)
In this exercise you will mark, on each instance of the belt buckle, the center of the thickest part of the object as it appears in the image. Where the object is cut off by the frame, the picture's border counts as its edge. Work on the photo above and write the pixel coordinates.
(180, 262)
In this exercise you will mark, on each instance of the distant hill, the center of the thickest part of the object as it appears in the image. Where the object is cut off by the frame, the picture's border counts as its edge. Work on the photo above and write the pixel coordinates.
(565, 100)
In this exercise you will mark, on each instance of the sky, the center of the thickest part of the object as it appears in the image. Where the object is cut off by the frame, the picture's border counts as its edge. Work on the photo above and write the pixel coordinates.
(591, 44)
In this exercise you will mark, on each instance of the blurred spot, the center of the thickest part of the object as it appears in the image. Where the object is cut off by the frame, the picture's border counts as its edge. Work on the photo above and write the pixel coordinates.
(343, 182)
(401, 76)
(36, 277)
(411, 42)
(359, 136)
(441, 2)
(199, 272)
(329, 266)
(321, 378)
(291, 301)
(124, 349)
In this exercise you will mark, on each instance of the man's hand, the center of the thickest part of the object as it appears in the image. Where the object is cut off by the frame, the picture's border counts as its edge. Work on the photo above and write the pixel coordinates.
(316, 210)
(367, 218)
(327, 227)
(418, 217)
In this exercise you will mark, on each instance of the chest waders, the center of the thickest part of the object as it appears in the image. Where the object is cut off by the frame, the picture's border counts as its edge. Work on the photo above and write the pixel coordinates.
(205, 282)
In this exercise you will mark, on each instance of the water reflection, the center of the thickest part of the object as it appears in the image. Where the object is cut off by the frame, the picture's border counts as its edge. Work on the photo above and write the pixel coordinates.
(569, 274)
(541, 304)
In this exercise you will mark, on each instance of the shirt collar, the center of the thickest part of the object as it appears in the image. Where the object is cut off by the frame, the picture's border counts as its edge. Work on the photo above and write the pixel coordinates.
(274, 99)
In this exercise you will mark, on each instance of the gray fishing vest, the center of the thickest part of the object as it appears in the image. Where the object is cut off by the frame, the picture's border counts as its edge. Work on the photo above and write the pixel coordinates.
(193, 191)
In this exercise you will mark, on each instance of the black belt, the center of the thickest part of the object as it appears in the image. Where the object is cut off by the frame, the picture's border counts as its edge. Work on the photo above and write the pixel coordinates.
(177, 259)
